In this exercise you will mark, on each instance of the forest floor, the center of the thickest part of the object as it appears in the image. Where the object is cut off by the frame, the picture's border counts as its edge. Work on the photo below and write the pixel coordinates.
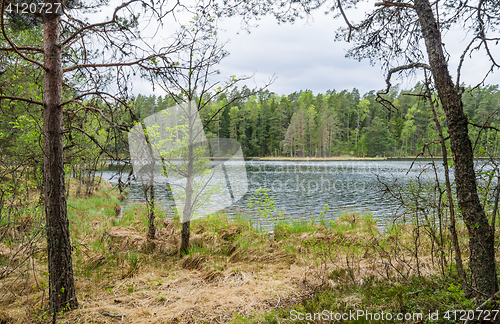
(233, 271)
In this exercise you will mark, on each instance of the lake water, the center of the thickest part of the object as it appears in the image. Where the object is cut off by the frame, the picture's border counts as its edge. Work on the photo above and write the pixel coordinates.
(301, 189)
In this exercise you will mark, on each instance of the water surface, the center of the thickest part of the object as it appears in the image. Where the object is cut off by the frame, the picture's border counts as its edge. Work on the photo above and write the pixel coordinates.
(301, 189)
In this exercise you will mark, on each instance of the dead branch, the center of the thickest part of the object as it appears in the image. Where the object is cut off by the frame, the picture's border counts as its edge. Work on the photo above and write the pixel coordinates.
(351, 27)
(114, 315)
(393, 4)
(98, 65)
(484, 126)
(11, 43)
(382, 100)
(21, 99)
(113, 20)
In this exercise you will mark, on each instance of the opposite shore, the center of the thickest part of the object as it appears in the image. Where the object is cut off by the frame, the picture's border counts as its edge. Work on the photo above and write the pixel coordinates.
(347, 158)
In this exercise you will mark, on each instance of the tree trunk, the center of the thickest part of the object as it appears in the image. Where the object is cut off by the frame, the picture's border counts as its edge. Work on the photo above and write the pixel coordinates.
(185, 234)
(188, 208)
(454, 236)
(149, 193)
(61, 283)
(481, 240)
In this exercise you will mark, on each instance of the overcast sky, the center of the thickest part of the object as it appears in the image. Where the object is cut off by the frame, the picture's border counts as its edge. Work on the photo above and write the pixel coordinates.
(304, 56)
(301, 56)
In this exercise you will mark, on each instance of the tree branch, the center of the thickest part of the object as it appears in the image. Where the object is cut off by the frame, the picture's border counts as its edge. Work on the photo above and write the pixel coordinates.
(462, 57)
(93, 139)
(484, 126)
(382, 100)
(21, 48)
(113, 20)
(393, 4)
(97, 65)
(482, 34)
(99, 111)
(21, 99)
(351, 27)
(13, 46)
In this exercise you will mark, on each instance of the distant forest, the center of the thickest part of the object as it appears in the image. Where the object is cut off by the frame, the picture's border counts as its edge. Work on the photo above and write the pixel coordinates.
(339, 123)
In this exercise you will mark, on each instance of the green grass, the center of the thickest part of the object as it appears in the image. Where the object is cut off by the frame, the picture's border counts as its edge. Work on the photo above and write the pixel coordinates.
(248, 241)
(295, 226)
(106, 251)
(135, 214)
(348, 236)
(93, 213)
(420, 295)
(354, 221)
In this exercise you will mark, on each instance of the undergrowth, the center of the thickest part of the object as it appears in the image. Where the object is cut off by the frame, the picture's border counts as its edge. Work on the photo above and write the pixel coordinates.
(346, 264)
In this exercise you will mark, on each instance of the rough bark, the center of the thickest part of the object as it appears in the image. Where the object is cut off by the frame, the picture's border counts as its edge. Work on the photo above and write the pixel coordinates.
(150, 197)
(61, 283)
(453, 231)
(481, 240)
(185, 234)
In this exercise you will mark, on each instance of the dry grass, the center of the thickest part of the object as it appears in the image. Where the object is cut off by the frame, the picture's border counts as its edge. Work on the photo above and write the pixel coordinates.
(188, 296)
(231, 267)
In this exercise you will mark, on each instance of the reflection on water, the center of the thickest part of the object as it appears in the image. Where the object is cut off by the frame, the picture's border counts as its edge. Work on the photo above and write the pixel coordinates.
(301, 188)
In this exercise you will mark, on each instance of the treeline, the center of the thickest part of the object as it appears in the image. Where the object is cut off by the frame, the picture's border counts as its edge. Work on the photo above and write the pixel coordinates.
(340, 123)
(298, 125)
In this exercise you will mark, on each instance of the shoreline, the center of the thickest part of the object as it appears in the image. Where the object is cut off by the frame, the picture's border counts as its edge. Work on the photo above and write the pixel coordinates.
(350, 158)
(333, 158)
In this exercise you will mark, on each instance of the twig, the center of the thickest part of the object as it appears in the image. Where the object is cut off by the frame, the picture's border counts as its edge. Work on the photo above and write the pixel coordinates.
(393, 4)
(382, 100)
(484, 304)
(415, 292)
(114, 315)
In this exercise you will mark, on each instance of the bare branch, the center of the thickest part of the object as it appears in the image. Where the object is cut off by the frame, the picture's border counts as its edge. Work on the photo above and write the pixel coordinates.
(113, 20)
(21, 48)
(99, 111)
(393, 4)
(11, 43)
(97, 65)
(351, 27)
(482, 34)
(459, 69)
(484, 126)
(21, 99)
(93, 139)
(384, 101)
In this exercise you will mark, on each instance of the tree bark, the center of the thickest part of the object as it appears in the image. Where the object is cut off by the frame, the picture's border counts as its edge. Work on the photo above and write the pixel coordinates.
(452, 228)
(188, 208)
(61, 283)
(185, 234)
(481, 240)
(150, 197)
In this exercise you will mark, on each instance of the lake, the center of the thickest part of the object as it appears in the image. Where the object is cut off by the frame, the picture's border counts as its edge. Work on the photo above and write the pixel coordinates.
(301, 189)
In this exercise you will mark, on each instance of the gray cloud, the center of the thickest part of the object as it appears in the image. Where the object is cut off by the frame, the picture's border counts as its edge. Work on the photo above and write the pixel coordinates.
(304, 55)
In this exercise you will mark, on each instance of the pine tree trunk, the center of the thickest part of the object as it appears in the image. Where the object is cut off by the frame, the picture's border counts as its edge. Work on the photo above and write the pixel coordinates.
(481, 240)
(61, 283)
(452, 228)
